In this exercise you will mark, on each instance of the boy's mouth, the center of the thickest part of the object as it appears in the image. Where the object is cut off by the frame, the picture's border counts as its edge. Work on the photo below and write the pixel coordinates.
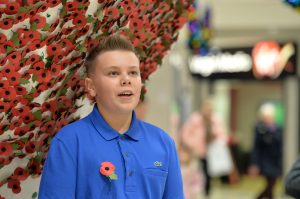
(125, 93)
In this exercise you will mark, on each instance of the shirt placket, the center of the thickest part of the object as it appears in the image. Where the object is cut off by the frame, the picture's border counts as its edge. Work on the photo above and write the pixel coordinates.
(130, 170)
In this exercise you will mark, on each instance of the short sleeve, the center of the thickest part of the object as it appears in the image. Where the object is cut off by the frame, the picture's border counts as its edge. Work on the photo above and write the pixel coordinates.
(59, 173)
(174, 186)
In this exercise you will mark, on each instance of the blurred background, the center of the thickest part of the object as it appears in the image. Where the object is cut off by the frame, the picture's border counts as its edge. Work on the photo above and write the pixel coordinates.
(215, 56)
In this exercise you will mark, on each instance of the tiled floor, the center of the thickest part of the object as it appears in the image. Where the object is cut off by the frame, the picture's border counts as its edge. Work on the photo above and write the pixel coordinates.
(246, 188)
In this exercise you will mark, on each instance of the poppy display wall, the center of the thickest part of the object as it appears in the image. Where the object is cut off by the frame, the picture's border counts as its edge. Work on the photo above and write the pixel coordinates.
(42, 49)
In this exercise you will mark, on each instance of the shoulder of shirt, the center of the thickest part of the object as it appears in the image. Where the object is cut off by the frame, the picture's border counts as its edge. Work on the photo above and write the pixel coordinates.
(155, 130)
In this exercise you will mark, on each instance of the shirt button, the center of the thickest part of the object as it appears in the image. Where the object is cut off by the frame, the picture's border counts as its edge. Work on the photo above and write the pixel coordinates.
(130, 173)
(122, 137)
(126, 154)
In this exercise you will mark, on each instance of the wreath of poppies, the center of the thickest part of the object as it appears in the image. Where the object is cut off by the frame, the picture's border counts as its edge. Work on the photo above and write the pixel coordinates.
(43, 45)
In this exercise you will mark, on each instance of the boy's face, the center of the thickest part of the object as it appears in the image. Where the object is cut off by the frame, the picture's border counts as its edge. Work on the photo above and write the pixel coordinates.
(115, 81)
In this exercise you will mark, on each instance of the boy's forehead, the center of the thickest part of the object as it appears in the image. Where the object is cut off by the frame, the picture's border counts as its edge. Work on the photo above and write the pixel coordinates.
(117, 59)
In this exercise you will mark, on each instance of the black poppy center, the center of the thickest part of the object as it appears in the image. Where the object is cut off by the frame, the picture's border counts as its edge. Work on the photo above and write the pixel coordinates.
(106, 168)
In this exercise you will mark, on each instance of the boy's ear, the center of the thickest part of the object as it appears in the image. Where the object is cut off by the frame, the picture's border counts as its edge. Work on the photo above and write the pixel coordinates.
(89, 87)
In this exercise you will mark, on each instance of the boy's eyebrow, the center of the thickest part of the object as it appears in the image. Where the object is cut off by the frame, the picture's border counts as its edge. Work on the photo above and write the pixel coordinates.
(118, 67)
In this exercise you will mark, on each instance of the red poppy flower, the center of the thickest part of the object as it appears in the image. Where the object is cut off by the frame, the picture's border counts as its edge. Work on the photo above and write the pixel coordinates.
(128, 6)
(136, 24)
(54, 25)
(107, 168)
(20, 111)
(32, 59)
(14, 184)
(48, 127)
(25, 51)
(42, 8)
(67, 31)
(112, 13)
(21, 90)
(30, 147)
(2, 38)
(79, 21)
(71, 6)
(58, 57)
(32, 12)
(53, 49)
(4, 106)
(50, 106)
(14, 78)
(67, 44)
(9, 93)
(12, 8)
(44, 76)
(16, 123)
(38, 67)
(6, 23)
(5, 149)
(21, 17)
(21, 174)
(32, 35)
(39, 20)
(27, 117)
(53, 3)
(65, 101)
(14, 57)
(20, 131)
(34, 167)
(55, 69)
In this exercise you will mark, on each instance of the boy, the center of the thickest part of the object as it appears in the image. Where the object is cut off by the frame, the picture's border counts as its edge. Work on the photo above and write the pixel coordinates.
(110, 153)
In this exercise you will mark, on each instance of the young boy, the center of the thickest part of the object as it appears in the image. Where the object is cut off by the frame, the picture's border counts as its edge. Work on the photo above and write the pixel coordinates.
(110, 153)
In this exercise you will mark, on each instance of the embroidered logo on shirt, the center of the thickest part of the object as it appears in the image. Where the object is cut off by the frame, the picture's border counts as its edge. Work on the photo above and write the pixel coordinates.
(157, 164)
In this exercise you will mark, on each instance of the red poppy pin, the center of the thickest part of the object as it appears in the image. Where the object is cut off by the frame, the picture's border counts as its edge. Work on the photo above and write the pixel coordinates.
(108, 169)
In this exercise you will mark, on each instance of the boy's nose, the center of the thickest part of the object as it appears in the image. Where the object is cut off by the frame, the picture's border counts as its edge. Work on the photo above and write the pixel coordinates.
(125, 81)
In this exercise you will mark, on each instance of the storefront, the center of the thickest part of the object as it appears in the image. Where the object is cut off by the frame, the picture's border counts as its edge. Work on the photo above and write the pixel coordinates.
(243, 78)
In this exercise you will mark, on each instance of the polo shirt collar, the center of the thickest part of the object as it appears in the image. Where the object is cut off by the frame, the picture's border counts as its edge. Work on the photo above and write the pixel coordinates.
(108, 133)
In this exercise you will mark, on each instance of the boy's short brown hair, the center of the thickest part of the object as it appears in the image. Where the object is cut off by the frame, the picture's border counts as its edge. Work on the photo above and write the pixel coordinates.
(110, 43)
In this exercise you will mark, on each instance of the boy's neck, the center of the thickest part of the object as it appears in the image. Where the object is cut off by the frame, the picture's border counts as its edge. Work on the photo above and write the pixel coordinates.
(119, 122)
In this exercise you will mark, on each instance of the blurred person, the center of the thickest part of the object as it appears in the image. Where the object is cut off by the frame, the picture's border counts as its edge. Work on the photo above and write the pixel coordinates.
(110, 153)
(266, 157)
(292, 180)
(191, 175)
(201, 129)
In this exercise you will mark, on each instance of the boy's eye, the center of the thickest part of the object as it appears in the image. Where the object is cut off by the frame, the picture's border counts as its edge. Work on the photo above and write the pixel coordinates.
(113, 73)
(134, 73)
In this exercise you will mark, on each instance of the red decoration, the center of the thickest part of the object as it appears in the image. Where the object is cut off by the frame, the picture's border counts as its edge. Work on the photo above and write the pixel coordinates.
(42, 48)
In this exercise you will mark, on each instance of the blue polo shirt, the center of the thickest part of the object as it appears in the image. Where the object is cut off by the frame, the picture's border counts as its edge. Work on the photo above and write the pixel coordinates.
(144, 157)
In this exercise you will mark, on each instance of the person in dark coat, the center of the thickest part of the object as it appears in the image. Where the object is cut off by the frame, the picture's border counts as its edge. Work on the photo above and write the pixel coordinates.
(292, 180)
(266, 157)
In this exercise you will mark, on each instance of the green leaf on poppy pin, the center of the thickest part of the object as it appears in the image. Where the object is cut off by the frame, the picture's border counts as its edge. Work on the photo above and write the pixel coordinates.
(90, 19)
(24, 9)
(113, 176)
(15, 146)
(34, 77)
(24, 81)
(15, 39)
(46, 27)
(99, 14)
(33, 26)
(63, 13)
(38, 159)
(9, 49)
(37, 115)
(34, 195)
